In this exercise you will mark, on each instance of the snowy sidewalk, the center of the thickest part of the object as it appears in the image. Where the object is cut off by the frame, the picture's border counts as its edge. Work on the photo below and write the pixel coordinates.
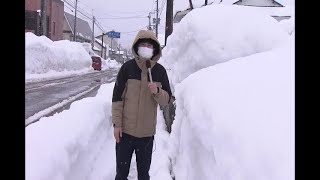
(78, 144)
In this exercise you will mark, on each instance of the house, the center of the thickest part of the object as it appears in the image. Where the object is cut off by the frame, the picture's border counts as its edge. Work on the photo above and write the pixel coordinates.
(100, 49)
(111, 41)
(270, 7)
(83, 30)
(54, 12)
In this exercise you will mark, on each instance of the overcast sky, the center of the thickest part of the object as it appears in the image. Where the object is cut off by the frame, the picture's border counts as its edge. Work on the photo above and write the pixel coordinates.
(125, 16)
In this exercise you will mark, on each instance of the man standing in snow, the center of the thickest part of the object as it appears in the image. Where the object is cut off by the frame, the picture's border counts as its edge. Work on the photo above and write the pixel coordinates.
(134, 105)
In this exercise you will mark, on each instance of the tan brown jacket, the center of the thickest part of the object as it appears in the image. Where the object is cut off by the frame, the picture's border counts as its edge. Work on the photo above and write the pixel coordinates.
(134, 107)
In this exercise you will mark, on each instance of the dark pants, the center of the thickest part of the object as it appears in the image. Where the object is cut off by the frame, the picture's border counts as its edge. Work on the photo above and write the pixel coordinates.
(143, 149)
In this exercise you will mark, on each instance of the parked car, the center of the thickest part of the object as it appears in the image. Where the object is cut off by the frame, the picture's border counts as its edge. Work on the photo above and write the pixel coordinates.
(96, 63)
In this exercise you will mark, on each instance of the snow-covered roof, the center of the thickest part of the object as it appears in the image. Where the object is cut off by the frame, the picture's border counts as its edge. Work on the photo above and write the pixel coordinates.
(96, 48)
(80, 34)
(82, 26)
(100, 42)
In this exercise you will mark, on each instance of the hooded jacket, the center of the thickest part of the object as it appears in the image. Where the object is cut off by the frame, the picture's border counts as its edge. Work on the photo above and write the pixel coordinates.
(134, 107)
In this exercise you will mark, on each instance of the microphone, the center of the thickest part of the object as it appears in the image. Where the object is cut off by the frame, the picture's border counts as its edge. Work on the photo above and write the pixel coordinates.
(148, 65)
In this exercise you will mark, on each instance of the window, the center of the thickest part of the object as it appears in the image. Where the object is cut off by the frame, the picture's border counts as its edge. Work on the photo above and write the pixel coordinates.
(54, 28)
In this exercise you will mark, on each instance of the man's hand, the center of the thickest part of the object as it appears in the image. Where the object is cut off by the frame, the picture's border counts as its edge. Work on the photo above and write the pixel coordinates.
(153, 88)
(117, 132)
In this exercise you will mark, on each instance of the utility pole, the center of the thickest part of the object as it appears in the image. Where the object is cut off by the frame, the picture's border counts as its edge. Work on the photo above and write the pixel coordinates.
(169, 20)
(120, 57)
(102, 46)
(111, 46)
(149, 27)
(75, 22)
(157, 20)
(93, 21)
(43, 17)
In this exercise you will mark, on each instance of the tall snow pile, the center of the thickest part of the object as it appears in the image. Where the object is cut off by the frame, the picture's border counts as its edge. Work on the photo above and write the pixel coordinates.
(288, 25)
(53, 144)
(232, 72)
(44, 55)
(89, 50)
(235, 120)
(218, 33)
(78, 143)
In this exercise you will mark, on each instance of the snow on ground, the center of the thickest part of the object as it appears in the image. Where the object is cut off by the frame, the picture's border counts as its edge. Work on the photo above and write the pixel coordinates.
(89, 50)
(43, 55)
(233, 79)
(288, 25)
(46, 59)
(235, 120)
(111, 63)
(78, 143)
(211, 35)
(234, 84)
(58, 140)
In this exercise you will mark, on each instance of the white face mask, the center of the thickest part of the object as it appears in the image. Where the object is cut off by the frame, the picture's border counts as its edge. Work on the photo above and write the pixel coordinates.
(145, 52)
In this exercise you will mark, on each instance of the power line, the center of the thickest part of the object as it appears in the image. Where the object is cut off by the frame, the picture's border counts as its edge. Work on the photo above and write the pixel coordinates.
(134, 30)
(125, 18)
(69, 8)
(85, 17)
(99, 26)
(128, 12)
(104, 26)
(88, 14)
(73, 6)
(84, 4)
(140, 15)
(70, 4)
(84, 12)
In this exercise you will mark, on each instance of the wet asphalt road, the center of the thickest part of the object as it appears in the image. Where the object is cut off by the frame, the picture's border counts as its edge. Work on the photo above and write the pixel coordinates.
(44, 94)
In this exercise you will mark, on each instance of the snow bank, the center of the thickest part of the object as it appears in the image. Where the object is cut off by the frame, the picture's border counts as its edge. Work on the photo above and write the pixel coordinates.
(113, 63)
(288, 25)
(161, 165)
(78, 144)
(89, 50)
(211, 35)
(235, 120)
(53, 143)
(44, 55)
